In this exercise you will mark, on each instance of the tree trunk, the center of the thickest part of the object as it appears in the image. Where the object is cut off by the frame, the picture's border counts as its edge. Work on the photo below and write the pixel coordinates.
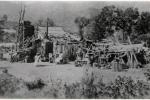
(81, 34)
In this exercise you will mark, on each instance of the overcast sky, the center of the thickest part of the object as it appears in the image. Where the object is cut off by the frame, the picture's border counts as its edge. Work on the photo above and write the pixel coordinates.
(62, 12)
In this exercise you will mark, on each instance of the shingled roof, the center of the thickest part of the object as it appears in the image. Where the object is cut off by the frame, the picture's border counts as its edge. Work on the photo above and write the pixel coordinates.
(55, 32)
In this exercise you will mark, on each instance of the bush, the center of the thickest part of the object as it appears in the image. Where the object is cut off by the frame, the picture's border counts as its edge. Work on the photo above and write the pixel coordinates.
(121, 87)
(36, 84)
(125, 87)
(9, 84)
(55, 89)
(90, 86)
(147, 74)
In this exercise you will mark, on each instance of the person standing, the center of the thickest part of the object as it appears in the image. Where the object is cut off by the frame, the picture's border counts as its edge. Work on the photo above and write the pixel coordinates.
(37, 59)
(50, 58)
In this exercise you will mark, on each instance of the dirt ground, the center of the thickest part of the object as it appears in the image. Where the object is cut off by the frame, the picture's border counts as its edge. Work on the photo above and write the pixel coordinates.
(45, 70)
(66, 72)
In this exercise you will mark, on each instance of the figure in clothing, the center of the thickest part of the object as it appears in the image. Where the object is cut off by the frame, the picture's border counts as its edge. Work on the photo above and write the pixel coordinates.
(37, 59)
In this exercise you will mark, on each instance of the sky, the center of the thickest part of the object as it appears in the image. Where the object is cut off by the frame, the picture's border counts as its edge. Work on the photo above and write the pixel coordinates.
(62, 12)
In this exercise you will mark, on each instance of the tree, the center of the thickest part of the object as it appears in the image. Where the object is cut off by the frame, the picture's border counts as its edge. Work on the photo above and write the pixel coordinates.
(143, 24)
(93, 12)
(142, 28)
(128, 22)
(5, 18)
(112, 19)
(131, 16)
(40, 22)
(104, 23)
(1, 31)
(96, 29)
(50, 22)
(81, 22)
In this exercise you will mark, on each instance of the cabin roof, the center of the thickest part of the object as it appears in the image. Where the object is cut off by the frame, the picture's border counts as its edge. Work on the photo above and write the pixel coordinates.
(57, 32)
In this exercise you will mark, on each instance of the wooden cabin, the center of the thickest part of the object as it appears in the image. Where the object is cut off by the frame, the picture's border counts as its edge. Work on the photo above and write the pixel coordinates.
(57, 41)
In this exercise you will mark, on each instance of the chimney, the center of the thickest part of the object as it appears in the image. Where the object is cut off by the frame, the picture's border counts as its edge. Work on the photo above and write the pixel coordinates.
(47, 29)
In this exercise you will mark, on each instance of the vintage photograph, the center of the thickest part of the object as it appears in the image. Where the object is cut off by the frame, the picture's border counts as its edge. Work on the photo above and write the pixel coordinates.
(75, 49)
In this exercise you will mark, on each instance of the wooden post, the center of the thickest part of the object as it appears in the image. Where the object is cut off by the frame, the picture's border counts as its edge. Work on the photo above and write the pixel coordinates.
(47, 29)
(18, 31)
(132, 61)
(23, 25)
(133, 53)
(20, 35)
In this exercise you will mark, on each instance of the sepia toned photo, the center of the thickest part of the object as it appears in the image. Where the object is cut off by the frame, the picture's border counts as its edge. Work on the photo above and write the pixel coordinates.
(75, 49)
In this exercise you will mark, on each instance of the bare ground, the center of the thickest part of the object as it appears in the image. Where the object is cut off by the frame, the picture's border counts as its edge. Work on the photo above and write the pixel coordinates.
(66, 72)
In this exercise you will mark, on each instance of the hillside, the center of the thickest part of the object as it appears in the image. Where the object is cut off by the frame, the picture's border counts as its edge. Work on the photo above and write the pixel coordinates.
(60, 11)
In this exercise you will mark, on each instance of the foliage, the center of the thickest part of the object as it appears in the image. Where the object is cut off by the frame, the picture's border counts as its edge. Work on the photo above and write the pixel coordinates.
(37, 84)
(90, 86)
(81, 23)
(143, 23)
(5, 18)
(50, 22)
(147, 74)
(111, 19)
(9, 84)
(42, 22)
(125, 87)
(121, 87)
(54, 89)
(1, 31)
(84, 89)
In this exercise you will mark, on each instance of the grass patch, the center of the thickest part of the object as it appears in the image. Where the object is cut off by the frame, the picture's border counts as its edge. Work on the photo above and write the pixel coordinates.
(9, 84)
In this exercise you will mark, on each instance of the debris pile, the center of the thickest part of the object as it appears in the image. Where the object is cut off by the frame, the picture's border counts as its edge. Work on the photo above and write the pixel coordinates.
(115, 56)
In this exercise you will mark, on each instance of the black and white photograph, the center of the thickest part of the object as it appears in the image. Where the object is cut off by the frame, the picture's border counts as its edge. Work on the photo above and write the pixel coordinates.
(75, 49)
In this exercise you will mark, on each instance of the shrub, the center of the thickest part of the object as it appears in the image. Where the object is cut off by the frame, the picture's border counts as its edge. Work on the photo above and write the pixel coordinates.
(9, 84)
(122, 87)
(90, 86)
(36, 84)
(87, 88)
(55, 89)
(147, 74)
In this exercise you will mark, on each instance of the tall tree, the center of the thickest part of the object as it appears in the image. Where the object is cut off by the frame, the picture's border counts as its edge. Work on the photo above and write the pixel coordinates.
(43, 22)
(143, 28)
(50, 22)
(81, 22)
(105, 22)
(40, 22)
(1, 31)
(112, 19)
(131, 16)
(143, 24)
